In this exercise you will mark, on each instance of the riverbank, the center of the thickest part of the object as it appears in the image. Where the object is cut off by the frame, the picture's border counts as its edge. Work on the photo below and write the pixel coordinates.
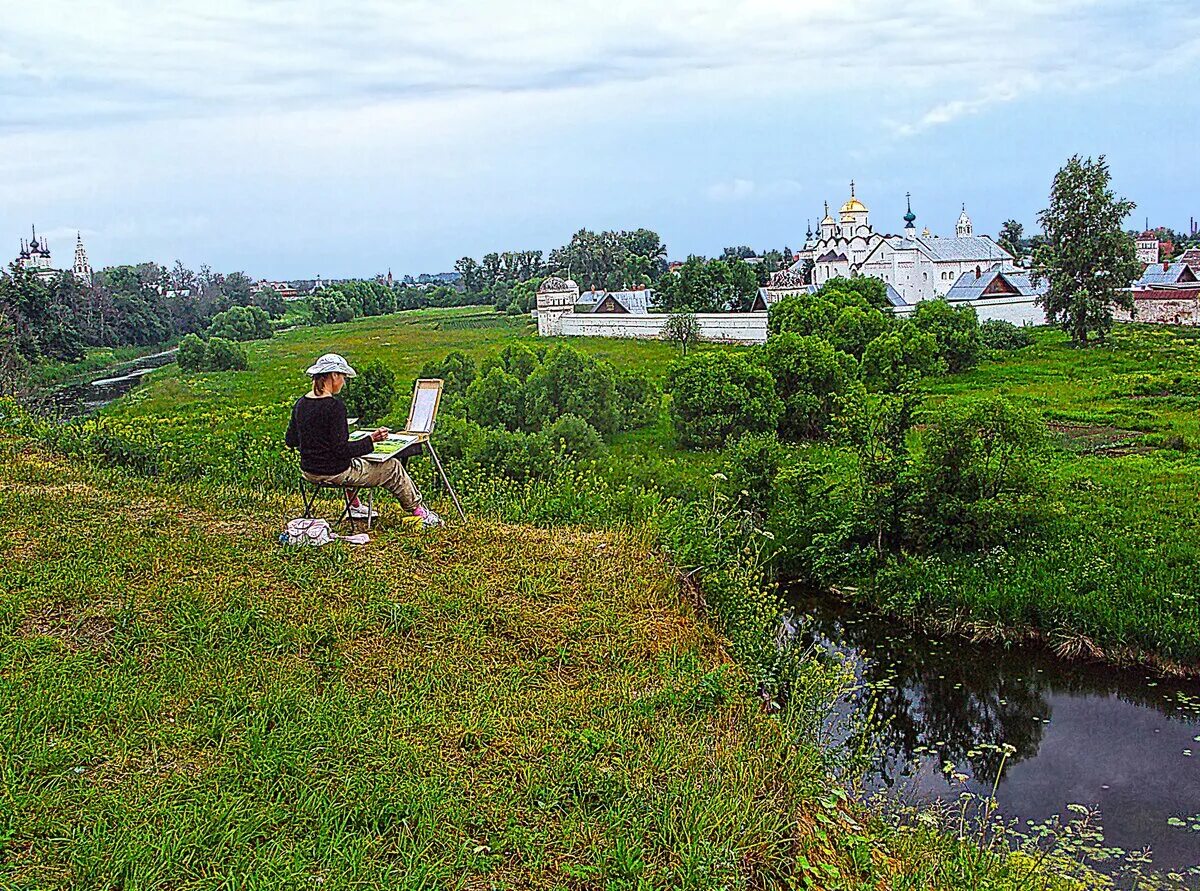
(53, 374)
(491, 706)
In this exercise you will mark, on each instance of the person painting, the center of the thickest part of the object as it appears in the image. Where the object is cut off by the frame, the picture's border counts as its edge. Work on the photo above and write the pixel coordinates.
(319, 430)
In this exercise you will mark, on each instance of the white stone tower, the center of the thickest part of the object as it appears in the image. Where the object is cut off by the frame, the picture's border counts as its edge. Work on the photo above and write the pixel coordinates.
(82, 269)
(555, 298)
(964, 229)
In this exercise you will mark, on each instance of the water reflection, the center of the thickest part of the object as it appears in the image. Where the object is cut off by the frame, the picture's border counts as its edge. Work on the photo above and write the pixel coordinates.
(1079, 733)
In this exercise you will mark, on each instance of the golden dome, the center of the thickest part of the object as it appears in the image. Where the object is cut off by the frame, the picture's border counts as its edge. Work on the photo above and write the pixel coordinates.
(853, 205)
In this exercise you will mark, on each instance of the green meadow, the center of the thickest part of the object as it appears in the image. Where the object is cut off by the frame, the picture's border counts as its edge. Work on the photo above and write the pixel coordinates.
(1111, 569)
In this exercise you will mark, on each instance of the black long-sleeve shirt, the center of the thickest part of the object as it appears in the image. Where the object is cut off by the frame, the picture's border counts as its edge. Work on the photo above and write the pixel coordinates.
(318, 429)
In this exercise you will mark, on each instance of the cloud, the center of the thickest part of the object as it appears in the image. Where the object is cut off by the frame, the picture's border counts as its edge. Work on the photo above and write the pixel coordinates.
(738, 189)
(117, 61)
(954, 109)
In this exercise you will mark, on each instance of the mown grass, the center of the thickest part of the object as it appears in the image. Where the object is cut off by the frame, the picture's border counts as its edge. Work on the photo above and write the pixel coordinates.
(188, 705)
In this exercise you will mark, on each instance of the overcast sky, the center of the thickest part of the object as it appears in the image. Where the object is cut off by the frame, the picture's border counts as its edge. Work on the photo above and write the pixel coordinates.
(290, 138)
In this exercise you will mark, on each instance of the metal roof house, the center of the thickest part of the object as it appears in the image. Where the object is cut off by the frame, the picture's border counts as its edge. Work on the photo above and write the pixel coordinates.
(994, 282)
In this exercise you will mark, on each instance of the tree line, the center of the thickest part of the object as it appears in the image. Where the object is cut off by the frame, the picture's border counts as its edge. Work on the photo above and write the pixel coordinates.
(58, 319)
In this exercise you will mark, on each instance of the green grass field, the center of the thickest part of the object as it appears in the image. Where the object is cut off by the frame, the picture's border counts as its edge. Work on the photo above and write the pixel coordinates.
(1113, 569)
(187, 705)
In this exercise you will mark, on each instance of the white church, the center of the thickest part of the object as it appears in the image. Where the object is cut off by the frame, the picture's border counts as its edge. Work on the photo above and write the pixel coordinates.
(916, 267)
(35, 258)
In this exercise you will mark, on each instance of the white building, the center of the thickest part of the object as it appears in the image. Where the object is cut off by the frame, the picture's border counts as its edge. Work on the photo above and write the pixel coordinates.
(35, 257)
(925, 267)
(840, 245)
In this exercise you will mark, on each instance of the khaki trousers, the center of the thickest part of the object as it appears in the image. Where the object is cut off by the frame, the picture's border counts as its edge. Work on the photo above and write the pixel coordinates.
(363, 474)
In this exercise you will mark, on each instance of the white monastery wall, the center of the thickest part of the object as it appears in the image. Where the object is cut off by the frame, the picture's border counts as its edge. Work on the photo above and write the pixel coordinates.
(725, 327)
(1181, 310)
(1019, 312)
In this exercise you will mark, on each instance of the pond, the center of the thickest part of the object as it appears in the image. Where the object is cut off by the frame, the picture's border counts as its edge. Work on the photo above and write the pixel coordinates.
(1123, 741)
(83, 397)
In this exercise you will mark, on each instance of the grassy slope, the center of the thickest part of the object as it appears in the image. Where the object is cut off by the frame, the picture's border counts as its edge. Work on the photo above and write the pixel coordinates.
(186, 705)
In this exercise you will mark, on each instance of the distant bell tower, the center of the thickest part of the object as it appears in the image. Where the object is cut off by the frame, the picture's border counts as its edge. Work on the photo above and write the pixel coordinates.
(910, 219)
(964, 229)
(81, 269)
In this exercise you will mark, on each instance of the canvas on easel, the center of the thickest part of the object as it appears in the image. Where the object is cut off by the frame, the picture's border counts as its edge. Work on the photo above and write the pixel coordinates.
(422, 414)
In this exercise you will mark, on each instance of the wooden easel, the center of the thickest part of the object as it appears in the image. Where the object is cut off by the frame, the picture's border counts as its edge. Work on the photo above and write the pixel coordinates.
(422, 416)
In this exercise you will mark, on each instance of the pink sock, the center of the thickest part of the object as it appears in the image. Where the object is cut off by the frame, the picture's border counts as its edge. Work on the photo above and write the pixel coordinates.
(420, 511)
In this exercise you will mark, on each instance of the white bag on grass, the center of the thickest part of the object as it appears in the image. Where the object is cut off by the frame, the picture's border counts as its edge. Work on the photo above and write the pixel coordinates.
(316, 532)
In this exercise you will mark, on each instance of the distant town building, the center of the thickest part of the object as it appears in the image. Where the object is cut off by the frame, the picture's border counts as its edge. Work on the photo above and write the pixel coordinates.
(284, 289)
(34, 257)
(1147, 248)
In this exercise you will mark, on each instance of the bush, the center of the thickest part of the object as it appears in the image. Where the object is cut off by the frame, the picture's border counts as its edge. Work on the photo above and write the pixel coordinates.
(976, 474)
(571, 382)
(638, 400)
(900, 357)
(720, 394)
(457, 371)
(572, 435)
(956, 330)
(224, 355)
(371, 394)
(804, 314)
(751, 464)
(496, 400)
(241, 323)
(856, 327)
(809, 376)
(997, 334)
(191, 353)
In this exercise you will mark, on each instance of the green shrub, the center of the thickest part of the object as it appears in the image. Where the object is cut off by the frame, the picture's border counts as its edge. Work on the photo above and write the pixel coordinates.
(571, 382)
(241, 323)
(224, 355)
(976, 474)
(900, 357)
(997, 334)
(370, 395)
(720, 394)
(191, 353)
(457, 371)
(804, 314)
(856, 327)
(638, 400)
(956, 329)
(809, 376)
(572, 435)
(496, 400)
(751, 464)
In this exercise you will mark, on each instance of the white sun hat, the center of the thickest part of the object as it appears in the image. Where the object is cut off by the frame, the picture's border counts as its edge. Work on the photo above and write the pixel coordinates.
(332, 363)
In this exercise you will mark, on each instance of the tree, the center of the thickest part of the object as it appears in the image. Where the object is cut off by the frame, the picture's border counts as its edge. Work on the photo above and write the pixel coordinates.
(708, 286)
(810, 376)
(681, 328)
(469, 274)
(956, 329)
(370, 395)
(900, 357)
(224, 355)
(1088, 260)
(1010, 237)
(190, 355)
(718, 395)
